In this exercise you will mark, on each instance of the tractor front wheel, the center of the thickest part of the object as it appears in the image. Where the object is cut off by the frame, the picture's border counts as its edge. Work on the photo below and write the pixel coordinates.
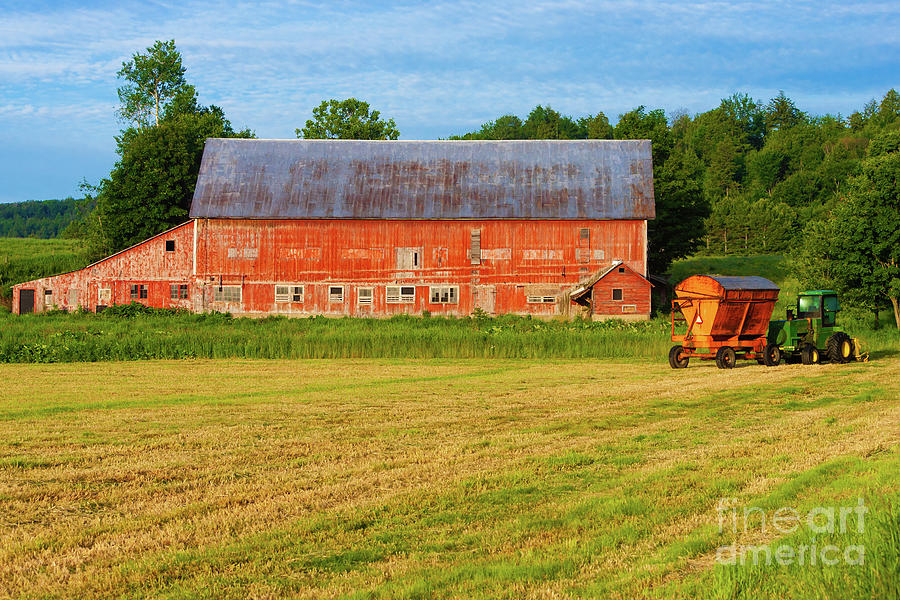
(725, 357)
(772, 355)
(677, 358)
(839, 348)
(809, 355)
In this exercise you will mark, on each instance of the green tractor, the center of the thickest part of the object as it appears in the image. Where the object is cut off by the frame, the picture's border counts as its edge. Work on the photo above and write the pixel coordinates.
(812, 334)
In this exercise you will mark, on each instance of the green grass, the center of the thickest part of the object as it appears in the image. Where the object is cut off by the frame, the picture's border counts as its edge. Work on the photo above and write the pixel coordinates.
(24, 259)
(436, 478)
(163, 334)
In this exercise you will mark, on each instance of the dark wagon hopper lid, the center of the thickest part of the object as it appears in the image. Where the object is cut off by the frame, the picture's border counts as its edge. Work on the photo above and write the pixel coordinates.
(365, 179)
(713, 286)
(752, 282)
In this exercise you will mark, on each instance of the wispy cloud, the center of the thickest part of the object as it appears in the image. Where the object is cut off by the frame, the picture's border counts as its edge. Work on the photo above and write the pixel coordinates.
(443, 67)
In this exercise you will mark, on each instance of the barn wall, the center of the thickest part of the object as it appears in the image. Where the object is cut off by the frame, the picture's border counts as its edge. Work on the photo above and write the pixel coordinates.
(147, 263)
(518, 259)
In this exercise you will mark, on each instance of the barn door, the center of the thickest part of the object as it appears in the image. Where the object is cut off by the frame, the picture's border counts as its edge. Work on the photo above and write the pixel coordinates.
(485, 297)
(26, 302)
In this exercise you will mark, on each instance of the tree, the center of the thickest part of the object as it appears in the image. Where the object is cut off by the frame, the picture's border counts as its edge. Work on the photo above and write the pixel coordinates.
(151, 185)
(349, 119)
(547, 124)
(596, 127)
(680, 210)
(782, 113)
(153, 79)
(857, 249)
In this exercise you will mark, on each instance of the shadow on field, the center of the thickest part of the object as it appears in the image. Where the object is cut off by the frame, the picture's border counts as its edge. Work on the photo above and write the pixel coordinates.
(879, 354)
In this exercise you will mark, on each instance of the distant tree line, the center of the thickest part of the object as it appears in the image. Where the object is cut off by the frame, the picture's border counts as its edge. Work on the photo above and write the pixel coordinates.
(38, 218)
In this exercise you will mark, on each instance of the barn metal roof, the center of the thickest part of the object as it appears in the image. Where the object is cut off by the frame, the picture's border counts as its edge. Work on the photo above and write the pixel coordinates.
(363, 179)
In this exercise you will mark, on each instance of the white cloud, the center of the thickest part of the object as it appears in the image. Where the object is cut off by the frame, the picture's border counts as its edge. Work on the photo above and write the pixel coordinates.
(447, 66)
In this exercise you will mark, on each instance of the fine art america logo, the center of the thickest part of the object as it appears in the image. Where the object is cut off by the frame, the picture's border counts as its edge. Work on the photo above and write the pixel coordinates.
(755, 522)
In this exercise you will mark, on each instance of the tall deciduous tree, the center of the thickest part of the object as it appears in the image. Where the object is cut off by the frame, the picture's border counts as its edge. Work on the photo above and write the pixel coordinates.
(857, 249)
(152, 80)
(349, 119)
(151, 185)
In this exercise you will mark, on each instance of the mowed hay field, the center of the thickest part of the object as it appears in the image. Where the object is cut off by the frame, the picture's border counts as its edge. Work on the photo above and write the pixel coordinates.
(438, 478)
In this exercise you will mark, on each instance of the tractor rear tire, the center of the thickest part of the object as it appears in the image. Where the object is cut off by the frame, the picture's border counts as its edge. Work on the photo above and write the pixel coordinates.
(839, 348)
(678, 360)
(772, 355)
(725, 357)
(809, 355)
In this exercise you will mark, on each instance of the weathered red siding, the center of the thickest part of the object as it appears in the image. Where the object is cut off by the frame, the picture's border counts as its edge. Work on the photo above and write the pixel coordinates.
(147, 263)
(518, 259)
(635, 301)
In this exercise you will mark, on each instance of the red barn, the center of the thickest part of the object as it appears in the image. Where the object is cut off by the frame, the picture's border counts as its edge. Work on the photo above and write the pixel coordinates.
(376, 228)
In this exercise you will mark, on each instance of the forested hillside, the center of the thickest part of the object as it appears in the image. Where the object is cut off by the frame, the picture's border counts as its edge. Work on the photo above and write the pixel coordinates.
(35, 218)
(755, 171)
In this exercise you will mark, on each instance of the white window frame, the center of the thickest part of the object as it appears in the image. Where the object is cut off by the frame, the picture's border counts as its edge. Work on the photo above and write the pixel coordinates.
(621, 294)
(451, 292)
(370, 296)
(335, 298)
(290, 292)
(394, 294)
(225, 293)
(540, 299)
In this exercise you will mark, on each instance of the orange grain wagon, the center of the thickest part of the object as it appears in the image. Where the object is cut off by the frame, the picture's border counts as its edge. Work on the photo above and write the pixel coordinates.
(727, 318)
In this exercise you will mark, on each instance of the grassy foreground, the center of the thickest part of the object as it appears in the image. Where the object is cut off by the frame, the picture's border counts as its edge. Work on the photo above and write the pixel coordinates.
(440, 478)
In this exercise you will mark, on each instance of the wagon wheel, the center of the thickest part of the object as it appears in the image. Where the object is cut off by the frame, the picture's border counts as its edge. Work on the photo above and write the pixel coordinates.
(809, 355)
(725, 357)
(839, 348)
(772, 355)
(677, 358)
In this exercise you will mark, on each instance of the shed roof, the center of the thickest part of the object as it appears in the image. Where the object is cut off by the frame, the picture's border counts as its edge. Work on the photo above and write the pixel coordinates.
(365, 179)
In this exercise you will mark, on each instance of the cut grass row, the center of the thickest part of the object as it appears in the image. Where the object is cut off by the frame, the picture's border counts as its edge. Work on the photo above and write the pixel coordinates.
(407, 479)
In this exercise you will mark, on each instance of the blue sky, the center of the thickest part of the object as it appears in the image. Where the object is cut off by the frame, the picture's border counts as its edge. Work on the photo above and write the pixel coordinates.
(437, 68)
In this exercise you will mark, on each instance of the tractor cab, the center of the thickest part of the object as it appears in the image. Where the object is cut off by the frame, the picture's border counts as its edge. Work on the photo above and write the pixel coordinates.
(819, 304)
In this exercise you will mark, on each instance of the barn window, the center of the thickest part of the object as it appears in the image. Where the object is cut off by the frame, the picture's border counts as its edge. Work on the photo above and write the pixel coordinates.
(48, 297)
(170, 245)
(335, 293)
(444, 294)
(617, 294)
(585, 233)
(629, 308)
(227, 293)
(138, 291)
(105, 295)
(409, 258)
(178, 291)
(365, 295)
(540, 299)
(288, 293)
(397, 294)
(621, 269)
(475, 247)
